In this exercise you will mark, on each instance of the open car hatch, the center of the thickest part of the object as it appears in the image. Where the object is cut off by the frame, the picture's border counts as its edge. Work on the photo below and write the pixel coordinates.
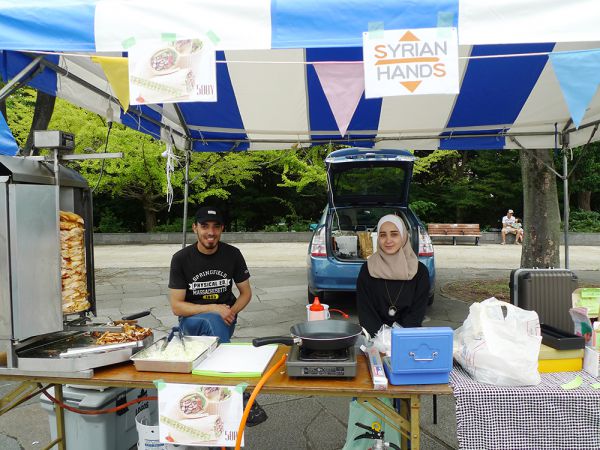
(369, 177)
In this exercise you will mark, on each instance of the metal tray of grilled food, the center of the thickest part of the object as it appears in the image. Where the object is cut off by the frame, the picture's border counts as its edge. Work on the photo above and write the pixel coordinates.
(73, 351)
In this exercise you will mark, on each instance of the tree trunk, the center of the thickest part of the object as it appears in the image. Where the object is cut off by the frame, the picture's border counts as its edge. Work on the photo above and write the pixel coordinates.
(584, 200)
(150, 216)
(541, 244)
(460, 174)
(44, 107)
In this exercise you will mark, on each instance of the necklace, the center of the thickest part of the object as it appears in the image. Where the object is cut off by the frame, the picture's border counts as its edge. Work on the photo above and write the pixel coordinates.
(392, 310)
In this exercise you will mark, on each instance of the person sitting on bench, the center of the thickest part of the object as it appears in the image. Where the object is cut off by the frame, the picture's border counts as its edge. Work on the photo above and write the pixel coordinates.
(508, 226)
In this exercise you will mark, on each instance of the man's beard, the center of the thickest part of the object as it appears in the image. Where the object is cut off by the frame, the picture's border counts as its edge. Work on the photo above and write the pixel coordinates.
(207, 245)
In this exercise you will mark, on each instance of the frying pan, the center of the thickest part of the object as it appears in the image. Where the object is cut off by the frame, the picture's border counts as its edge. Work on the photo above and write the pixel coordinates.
(317, 335)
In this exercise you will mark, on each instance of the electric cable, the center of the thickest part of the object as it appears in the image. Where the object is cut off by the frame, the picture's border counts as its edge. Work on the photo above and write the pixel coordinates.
(109, 116)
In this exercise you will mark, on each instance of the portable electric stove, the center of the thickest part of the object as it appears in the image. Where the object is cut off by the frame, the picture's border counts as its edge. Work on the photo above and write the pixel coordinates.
(303, 362)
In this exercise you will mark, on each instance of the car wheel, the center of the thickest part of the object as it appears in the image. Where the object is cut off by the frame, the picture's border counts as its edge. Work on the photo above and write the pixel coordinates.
(430, 300)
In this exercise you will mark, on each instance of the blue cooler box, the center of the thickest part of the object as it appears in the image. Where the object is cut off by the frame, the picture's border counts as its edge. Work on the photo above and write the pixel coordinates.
(420, 356)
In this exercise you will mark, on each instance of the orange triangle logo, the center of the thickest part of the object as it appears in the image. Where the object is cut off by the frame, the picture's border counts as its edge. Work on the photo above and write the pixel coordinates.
(410, 85)
(408, 36)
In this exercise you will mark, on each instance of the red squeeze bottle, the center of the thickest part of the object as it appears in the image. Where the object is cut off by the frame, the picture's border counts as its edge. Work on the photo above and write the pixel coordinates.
(316, 305)
(316, 311)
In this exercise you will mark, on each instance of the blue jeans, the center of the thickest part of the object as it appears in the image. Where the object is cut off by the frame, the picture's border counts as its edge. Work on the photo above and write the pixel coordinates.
(207, 324)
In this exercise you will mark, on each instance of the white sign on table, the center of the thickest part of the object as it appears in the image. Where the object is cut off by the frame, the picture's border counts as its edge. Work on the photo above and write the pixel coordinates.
(200, 415)
(172, 71)
(411, 62)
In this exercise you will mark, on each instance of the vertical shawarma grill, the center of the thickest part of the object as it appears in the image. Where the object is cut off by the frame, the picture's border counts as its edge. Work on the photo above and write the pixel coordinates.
(30, 254)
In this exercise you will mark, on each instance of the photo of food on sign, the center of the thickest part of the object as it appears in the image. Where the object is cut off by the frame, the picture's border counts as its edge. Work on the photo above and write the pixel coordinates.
(172, 71)
(198, 415)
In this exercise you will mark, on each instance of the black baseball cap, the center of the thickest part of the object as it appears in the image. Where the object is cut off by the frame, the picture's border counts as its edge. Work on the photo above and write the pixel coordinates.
(208, 214)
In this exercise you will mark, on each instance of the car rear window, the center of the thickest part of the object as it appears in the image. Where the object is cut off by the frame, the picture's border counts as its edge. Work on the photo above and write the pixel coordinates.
(371, 183)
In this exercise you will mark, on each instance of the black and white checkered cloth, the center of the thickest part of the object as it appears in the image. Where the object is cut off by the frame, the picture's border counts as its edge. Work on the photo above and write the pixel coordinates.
(534, 417)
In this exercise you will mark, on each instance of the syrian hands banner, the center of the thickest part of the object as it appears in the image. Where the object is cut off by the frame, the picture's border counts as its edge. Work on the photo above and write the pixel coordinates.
(411, 62)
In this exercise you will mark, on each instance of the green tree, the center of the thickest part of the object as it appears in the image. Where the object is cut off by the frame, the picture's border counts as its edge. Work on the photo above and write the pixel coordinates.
(19, 113)
(289, 186)
(584, 170)
(468, 186)
(137, 176)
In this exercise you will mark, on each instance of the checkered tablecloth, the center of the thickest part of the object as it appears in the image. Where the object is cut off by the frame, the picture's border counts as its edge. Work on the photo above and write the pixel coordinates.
(535, 417)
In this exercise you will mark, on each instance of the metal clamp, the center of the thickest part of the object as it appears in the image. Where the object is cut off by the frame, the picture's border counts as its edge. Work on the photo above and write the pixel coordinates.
(433, 356)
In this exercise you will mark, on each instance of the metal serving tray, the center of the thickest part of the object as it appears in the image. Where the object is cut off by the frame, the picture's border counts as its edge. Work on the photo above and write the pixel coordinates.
(144, 364)
(50, 355)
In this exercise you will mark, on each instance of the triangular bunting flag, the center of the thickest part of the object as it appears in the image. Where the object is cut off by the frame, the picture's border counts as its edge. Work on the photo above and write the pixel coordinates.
(8, 145)
(116, 70)
(343, 84)
(578, 74)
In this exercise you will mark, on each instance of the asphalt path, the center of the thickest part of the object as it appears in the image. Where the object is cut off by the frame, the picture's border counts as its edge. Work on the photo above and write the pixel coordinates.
(293, 254)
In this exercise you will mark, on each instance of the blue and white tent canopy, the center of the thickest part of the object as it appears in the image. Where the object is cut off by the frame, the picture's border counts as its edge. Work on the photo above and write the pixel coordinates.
(269, 96)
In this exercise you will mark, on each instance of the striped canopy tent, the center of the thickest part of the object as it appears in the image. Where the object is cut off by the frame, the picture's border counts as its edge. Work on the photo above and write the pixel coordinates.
(269, 95)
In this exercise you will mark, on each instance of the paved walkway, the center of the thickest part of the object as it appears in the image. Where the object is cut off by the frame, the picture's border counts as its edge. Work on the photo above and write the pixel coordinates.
(293, 254)
(134, 278)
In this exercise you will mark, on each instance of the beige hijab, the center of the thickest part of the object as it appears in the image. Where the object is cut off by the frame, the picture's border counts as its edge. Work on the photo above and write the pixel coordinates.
(402, 265)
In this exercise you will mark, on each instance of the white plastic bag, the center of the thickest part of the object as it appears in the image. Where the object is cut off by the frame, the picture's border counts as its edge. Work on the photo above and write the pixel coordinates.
(499, 350)
(383, 339)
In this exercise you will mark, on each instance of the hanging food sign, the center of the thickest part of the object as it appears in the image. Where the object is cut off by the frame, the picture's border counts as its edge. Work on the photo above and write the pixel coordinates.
(202, 415)
(411, 62)
(172, 71)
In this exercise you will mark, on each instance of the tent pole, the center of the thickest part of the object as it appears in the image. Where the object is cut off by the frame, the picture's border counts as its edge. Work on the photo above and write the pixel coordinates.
(186, 186)
(31, 70)
(565, 178)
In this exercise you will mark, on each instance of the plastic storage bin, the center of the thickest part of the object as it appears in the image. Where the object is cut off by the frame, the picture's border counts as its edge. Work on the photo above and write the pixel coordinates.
(420, 356)
(112, 431)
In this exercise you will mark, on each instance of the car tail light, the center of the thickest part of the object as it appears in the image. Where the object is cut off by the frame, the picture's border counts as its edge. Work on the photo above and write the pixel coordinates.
(317, 246)
(425, 244)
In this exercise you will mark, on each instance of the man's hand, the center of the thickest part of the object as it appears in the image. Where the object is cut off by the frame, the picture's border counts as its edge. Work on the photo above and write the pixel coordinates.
(226, 313)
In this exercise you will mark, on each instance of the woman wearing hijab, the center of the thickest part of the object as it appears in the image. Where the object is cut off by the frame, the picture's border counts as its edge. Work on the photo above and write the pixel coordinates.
(393, 286)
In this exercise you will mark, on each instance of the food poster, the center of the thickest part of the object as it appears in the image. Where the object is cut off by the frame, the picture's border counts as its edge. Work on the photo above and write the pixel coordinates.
(172, 71)
(199, 415)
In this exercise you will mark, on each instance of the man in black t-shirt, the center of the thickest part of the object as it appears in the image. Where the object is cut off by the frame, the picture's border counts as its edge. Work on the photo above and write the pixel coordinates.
(202, 277)
(201, 282)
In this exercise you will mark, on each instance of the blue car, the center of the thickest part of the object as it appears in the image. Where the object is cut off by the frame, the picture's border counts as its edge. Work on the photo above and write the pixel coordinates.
(363, 185)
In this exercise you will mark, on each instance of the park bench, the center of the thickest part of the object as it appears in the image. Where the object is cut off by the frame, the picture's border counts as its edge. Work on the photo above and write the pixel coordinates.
(455, 230)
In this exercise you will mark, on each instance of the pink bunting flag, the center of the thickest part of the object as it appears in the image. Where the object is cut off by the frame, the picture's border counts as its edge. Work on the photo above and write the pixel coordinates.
(343, 84)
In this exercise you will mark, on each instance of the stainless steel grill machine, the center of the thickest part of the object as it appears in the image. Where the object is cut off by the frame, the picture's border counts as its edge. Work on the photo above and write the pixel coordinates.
(33, 330)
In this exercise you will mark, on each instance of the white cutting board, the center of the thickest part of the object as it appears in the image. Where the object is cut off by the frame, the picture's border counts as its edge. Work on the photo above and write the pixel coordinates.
(236, 359)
